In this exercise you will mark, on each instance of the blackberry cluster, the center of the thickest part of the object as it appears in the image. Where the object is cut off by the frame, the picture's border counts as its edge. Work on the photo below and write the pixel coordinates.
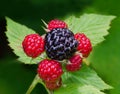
(60, 44)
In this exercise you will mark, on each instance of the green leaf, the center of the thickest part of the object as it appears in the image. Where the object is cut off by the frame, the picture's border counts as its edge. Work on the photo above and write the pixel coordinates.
(87, 89)
(85, 76)
(84, 81)
(16, 33)
(78, 89)
(93, 25)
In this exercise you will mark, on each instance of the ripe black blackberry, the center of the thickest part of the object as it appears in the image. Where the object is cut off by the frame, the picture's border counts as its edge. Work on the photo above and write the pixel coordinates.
(60, 44)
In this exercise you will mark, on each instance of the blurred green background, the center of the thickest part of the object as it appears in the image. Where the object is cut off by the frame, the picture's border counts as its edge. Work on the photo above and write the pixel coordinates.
(15, 77)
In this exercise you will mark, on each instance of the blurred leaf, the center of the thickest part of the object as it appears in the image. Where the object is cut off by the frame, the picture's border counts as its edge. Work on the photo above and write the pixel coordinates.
(16, 33)
(77, 89)
(85, 76)
(93, 25)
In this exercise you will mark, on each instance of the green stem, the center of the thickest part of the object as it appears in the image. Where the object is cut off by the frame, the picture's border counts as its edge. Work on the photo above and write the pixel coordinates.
(86, 62)
(34, 83)
(49, 92)
(32, 86)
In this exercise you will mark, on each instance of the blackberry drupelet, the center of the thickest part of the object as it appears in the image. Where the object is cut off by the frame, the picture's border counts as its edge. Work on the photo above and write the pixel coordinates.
(60, 44)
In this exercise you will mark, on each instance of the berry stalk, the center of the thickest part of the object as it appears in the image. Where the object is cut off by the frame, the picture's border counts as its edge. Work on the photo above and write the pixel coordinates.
(35, 81)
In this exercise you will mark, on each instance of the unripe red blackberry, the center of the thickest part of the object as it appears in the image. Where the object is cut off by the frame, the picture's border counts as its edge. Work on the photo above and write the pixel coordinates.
(54, 85)
(84, 45)
(60, 44)
(49, 70)
(74, 63)
(33, 45)
(56, 24)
